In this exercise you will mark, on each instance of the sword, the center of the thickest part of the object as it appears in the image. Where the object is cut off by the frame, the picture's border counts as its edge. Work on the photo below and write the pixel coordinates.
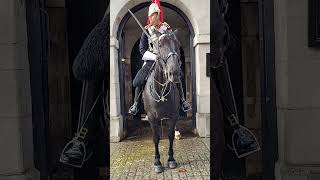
(143, 29)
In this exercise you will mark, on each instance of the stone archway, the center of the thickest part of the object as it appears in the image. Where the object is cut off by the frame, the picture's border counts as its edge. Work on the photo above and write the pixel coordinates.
(200, 44)
(122, 6)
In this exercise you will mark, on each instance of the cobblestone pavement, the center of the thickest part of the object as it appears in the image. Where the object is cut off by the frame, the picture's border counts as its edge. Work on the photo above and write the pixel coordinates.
(133, 159)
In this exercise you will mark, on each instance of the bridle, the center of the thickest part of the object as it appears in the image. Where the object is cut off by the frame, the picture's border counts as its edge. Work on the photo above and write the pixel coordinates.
(167, 84)
(163, 60)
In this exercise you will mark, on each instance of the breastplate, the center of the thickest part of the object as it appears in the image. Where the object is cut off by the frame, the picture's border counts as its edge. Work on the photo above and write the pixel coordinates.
(153, 47)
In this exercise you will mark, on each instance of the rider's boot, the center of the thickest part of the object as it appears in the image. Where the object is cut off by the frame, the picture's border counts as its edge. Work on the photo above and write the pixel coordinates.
(137, 97)
(185, 105)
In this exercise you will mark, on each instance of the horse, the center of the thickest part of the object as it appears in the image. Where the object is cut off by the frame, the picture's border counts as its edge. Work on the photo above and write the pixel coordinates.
(161, 96)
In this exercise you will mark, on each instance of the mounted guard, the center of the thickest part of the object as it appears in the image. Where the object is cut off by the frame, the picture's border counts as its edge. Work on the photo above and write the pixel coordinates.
(149, 53)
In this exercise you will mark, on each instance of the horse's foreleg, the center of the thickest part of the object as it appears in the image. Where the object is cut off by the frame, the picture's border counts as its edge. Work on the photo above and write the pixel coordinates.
(156, 140)
(171, 161)
(171, 138)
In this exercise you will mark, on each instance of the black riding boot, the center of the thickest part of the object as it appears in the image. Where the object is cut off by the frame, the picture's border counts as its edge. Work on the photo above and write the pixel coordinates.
(137, 97)
(185, 105)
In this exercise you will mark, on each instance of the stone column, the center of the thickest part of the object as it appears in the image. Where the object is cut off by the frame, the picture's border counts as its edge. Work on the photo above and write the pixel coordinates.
(201, 43)
(16, 141)
(116, 120)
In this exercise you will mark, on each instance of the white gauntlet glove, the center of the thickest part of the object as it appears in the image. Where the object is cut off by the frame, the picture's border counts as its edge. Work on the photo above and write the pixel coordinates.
(149, 56)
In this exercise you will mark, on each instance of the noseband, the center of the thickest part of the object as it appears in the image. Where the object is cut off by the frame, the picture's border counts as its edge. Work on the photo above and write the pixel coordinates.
(163, 61)
(171, 54)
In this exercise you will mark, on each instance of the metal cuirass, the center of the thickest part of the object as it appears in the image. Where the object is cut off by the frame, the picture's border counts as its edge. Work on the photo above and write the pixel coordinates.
(153, 47)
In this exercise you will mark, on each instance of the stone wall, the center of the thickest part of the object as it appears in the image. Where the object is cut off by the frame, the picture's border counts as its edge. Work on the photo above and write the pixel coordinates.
(16, 142)
(298, 98)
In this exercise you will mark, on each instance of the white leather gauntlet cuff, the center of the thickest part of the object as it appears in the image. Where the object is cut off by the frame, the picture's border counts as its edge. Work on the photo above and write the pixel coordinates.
(149, 56)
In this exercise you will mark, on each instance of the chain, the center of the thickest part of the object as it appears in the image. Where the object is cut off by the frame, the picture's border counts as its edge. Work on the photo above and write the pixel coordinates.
(164, 87)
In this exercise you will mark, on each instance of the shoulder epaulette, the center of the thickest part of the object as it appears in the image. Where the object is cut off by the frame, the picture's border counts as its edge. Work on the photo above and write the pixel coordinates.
(166, 24)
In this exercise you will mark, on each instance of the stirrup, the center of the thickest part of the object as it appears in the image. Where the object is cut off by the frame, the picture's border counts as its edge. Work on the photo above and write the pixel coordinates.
(75, 152)
(133, 109)
(186, 106)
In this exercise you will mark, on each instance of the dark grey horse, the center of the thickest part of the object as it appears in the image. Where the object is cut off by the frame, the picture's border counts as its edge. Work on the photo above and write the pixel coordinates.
(161, 96)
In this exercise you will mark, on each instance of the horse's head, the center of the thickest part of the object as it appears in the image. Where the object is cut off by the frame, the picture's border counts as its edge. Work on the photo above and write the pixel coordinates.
(169, 55)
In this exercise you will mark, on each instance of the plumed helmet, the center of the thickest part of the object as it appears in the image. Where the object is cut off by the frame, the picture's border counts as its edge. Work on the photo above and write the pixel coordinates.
(155, 7)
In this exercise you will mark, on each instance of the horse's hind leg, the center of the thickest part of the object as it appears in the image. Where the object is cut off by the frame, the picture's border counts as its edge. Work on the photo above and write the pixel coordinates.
(156, 139)
(171, 161)
(177, 132)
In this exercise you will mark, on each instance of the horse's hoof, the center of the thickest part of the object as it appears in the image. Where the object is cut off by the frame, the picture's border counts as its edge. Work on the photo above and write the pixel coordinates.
(158, 168)
(172, 164)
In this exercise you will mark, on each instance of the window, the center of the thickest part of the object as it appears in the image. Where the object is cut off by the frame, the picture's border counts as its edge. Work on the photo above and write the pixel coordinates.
(314, 23)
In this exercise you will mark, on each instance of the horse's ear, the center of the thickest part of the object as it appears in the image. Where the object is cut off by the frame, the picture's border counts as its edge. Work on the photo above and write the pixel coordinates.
(176, 36)
(176, 32)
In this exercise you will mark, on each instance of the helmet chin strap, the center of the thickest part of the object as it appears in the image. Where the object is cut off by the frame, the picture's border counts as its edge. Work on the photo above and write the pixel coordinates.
(158, 17)
(158, 20)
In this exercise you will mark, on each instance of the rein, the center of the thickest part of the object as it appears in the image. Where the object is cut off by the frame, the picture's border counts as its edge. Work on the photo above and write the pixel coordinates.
(161, 97)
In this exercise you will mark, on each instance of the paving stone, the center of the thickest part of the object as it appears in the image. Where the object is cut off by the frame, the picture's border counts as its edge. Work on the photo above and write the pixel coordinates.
(134, 159)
